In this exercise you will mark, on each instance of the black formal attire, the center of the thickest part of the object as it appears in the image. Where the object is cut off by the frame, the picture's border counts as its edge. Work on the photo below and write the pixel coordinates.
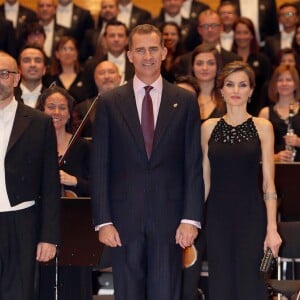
(7, 37)
(184, 64)
(185, 26)
(18, 92)
(138, 16)
(280, 129)
(78, 89)
(79, 112)
(31, 173)
(267, 17)
(236, 216)
(273, 47)
(89, 44)
(82, 20)
(145, 198)
(25, 16)
(75, 282)
(262, 68)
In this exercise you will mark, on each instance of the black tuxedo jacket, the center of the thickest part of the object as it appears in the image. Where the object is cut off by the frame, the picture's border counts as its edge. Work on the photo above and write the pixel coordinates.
(268, 19)
(138, 16)
(8, 39)
(25, 16)
(82, 20)
(132, 191)
(272, 47)
(196, 9)
(31, 168)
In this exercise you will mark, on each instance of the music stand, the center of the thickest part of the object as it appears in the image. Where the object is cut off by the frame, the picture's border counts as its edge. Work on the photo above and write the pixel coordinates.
(79, 242)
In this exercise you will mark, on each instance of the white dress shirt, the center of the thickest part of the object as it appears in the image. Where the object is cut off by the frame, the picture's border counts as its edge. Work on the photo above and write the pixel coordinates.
(11, 12)
(30, 97)
(176, 19)
(124, 14)
(226, 40)
(120, 62)
(64, 15)
(7, 116)
(48, 45)
(250, 9)
(186, 7)
(286, 39)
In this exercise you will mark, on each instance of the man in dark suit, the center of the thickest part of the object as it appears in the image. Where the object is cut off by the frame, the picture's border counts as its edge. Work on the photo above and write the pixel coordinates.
(29, 189)
(75, 18)
(132, 15)
(147, 175)
(288, 18)
(209, 28)
(266, 15)
(116, 40)
(93, 37)
(8, 39)
(46, 10)
(170, 11)
(19, 15)
(32, 66)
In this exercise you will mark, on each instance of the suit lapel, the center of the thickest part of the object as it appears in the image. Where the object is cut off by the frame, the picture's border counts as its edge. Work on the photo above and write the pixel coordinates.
(127, 105)
(168, 106)
(21, 122)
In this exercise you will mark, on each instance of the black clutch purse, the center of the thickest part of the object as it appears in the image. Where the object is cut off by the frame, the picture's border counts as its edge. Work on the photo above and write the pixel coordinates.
(268, 262)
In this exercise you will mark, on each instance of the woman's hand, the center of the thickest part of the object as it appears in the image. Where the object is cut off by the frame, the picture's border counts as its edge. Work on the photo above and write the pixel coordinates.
(67, 179)
(272, 241)
(284, 156)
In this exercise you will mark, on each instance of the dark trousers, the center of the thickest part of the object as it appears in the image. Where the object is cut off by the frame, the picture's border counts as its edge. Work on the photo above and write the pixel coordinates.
(147, 268)
(17, 254)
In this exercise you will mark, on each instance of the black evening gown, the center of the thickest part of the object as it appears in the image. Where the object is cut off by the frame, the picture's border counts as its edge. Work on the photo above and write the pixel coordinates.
(236, 216)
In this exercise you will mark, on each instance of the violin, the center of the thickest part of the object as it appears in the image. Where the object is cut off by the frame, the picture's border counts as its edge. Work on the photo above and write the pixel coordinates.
(189, 256)
(74, 138)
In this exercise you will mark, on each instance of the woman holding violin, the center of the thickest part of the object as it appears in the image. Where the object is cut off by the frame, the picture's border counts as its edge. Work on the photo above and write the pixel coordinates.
(74, 173)
(76, 282)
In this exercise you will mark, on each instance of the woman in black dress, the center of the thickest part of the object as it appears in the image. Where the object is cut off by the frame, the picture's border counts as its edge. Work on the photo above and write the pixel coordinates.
(75, 282)
(284, 91)
(240, 225)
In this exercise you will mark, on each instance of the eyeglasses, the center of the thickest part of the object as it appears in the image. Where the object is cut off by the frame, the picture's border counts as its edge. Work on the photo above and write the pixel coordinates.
(4, 74)
(207, 26)
(288, 14)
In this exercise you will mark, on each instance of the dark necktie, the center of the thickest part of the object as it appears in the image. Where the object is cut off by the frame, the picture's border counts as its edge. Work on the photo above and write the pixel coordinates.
(147, 120)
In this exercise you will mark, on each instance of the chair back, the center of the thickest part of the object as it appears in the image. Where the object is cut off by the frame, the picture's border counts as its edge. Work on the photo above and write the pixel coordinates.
(290, 234)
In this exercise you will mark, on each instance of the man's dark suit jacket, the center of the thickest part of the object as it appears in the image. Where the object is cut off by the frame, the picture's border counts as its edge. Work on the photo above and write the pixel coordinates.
(31, 169)
(268, 19)
(25, 16)
(196, 9)
(8, 39)
(130, 190)
(82, 20)
(184, 65)
(272, 47)
(138, 16)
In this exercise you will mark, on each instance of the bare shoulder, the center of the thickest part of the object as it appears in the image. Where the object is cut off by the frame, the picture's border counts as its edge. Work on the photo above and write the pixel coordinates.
(208, 126)
(264, 112)
(263, 126)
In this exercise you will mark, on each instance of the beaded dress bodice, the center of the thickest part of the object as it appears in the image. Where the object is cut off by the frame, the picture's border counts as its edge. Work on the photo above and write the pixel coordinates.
(234, 152)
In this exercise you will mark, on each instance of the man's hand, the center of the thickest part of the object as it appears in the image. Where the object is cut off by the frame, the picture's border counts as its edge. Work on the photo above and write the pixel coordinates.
(109, 236)
(45, 252)
(186, 234)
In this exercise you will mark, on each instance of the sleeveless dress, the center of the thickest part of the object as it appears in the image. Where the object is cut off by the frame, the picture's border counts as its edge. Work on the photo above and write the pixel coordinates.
(280, 129)
(236, 216)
